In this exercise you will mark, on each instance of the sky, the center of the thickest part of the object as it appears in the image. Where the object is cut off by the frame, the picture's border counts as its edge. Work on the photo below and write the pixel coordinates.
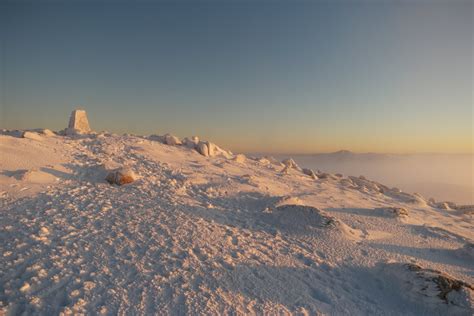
(266, 76)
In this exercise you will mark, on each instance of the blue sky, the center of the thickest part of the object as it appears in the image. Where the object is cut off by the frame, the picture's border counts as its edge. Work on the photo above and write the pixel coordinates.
(304, 76)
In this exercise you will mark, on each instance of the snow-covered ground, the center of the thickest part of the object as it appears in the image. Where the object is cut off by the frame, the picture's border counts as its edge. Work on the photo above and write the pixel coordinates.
(445, 177)
(217, 235)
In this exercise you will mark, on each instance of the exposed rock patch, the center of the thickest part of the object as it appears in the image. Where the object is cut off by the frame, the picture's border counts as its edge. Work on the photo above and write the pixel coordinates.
(399, 212)
(121, 176)
(432, 288)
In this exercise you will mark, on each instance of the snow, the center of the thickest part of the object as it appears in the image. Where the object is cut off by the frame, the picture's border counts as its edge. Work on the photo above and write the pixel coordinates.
(203, 234)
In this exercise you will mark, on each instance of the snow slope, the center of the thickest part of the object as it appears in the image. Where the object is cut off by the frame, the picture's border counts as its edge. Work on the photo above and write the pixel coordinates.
(216, 235)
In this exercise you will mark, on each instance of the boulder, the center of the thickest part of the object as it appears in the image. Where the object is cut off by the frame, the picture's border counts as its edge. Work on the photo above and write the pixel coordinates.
(13, 133)
(240, 158)
(397, 211)
(212, 149)
(78, 123)
(172, 140)
(191, 142)
(290, 163)
(121, 176)
(202, 149)
(32, 135)
(272, 160)
(47, 132)
(310, 173)
(208, 149)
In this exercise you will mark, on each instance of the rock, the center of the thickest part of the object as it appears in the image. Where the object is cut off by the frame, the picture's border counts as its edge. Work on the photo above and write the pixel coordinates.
(32, 135)
(347, 182)
(290, 163)
(13, 133)
(207, 149)
(323, 175)
(172, 140)
(288, 200)
(310, 173)
(397, 211)
(240, 158)
(157, 138)
(121, 176)
(443, 206)
(273, 160)
(78, 123)
(436, 290)
(191, 142)
(212, 148)
(202, 149)
(47, 132)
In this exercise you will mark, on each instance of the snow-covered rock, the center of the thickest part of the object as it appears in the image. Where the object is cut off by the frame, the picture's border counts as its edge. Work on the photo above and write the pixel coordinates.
(48, 132)
(240, 158)
(172, 140)
(310, 173)
(12, 133)
(203, 149)
(435, 291)
(397, 212)
(209, 149)
(121, 176)
(290, 163)
(32, 135)
(212, 148)
(191, 142)
(308, 220)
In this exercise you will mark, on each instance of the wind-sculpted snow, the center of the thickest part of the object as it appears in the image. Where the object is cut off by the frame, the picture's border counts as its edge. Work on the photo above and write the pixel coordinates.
(216, 234)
